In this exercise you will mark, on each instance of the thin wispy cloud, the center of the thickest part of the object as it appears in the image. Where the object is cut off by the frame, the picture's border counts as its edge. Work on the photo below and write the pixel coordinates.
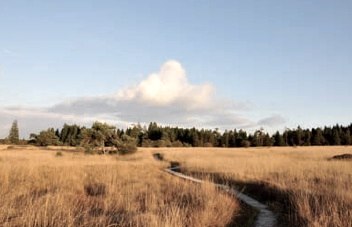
(9, 53)
(273, 120)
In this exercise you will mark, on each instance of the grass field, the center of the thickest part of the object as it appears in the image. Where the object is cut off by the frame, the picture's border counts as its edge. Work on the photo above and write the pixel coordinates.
(310, 189)
(40, 188)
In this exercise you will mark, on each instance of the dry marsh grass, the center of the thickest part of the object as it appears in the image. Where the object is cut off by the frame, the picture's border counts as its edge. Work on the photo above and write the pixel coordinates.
(318, 189)
(37, 188)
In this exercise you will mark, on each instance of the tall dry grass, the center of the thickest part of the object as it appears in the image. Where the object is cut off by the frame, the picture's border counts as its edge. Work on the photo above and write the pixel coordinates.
(38, 188)
(318, 189)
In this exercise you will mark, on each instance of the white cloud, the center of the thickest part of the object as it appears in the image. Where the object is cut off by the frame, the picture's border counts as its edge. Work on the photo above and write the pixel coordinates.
(169, 86)
(166, 97)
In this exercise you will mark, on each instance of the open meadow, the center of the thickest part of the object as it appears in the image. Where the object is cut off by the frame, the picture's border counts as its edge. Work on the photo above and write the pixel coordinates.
(52, 187)
(60, 186)
(302, 184)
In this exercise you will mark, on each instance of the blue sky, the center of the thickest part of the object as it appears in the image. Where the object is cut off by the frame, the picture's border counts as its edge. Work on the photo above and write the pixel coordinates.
(285, 63)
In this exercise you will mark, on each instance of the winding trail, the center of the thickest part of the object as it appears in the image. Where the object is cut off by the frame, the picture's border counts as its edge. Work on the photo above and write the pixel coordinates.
(265, 218)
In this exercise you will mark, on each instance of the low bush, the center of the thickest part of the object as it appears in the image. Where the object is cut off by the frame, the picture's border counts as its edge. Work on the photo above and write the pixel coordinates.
(342, 157)
(158, 156)
(89, 150)
(127, 149)
(177, 144)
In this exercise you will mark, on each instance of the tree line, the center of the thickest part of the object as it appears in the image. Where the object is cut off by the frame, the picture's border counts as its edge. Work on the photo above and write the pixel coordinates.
(159, 136)
(105, 136)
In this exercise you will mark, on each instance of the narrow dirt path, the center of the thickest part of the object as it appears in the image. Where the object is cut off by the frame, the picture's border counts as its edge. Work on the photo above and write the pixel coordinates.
(265, 218)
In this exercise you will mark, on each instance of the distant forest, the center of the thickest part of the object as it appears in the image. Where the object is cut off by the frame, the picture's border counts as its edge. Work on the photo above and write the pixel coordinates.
(154, 135)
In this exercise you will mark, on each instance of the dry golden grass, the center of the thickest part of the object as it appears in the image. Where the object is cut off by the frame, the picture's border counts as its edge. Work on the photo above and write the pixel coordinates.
(319, 190)
(38, 188)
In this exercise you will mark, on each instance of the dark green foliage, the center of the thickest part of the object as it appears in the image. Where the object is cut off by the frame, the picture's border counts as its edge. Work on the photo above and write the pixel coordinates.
(45, 138)
(257, 139)
(99, 135)
(177, 137)
(267, 140)
(128, 148)
(245, 143)
(317, 137)
(177, 144)
(13, 137)
(346, 137)
(104, 138)
(279, 139)
(154, 132)
(70, 135)
(335, 137)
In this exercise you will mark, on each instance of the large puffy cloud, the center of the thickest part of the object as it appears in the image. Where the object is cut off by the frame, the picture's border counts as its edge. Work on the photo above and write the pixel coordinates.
(169, 89)
(166, 97)
(169, 86)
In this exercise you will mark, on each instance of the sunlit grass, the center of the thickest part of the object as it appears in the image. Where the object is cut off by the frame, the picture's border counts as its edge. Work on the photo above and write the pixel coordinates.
(319, 189)
(39, 188)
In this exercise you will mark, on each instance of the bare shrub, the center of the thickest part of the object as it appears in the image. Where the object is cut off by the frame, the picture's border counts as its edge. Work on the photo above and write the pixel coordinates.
(95, 189)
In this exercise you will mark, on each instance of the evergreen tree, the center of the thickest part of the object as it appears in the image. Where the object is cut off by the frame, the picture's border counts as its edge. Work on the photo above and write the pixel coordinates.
(267, 140)
(317, 137)
(279, 139)
(257, 139)
(335, 137)
(45, 138)
(241, 137)
(346, 138)
(225, 139)
(14, 133)
(102, 135)
(154, 131)
(298, 136)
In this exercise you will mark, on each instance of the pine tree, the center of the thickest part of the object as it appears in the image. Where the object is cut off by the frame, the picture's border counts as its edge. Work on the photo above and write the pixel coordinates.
(298, 136)
(267, 140)
(317, 137)
(335, 137)
(279, 139)
(346, 139)
(14, 133)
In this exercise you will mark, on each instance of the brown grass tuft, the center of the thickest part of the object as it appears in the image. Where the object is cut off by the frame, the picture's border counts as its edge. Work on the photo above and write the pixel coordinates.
(95, 189)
